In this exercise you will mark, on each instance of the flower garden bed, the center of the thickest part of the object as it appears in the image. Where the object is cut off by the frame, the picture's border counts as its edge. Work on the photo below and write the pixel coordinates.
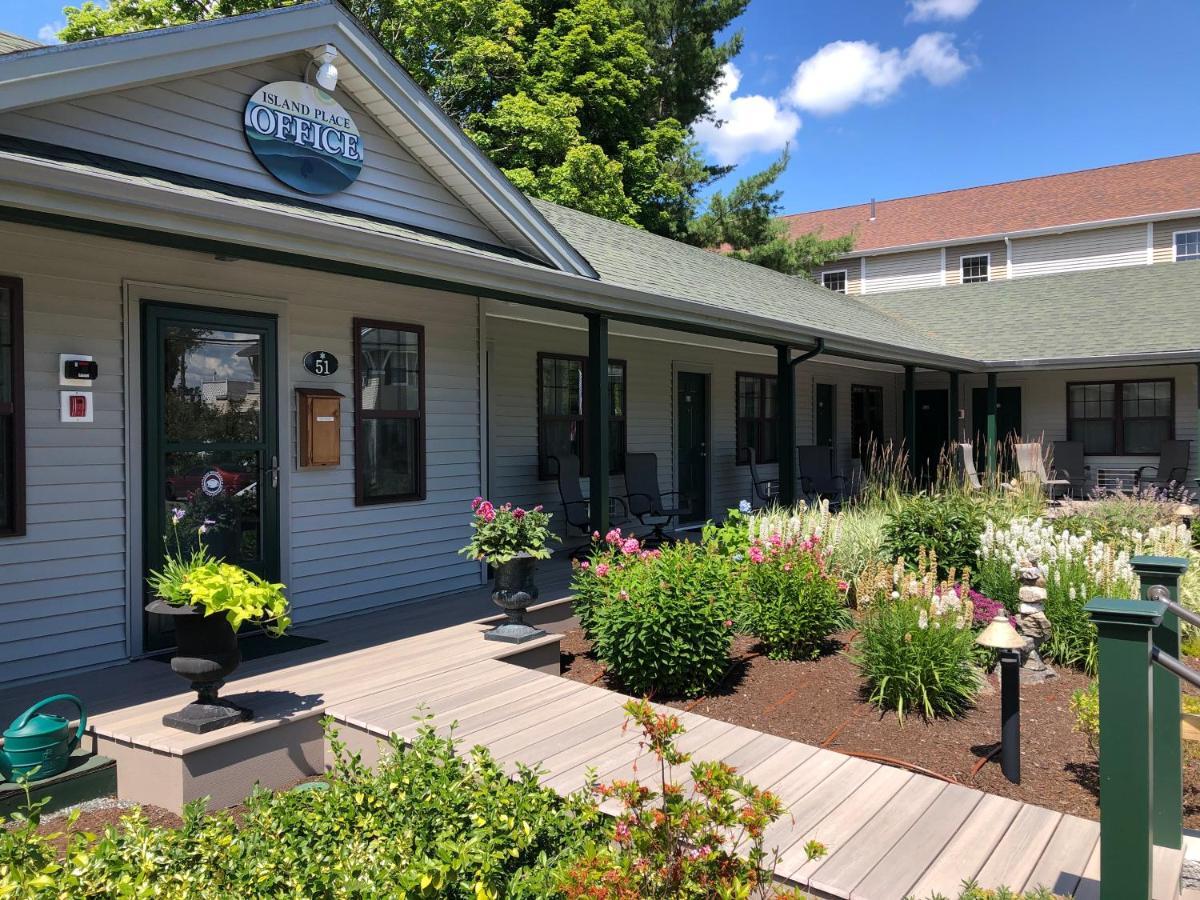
(819, 702)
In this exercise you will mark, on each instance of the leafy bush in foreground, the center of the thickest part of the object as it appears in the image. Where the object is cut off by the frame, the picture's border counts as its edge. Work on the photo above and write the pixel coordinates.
(428, 823)
(661, 620)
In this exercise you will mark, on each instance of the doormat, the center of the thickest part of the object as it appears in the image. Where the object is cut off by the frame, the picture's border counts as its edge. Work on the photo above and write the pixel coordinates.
(259, 646)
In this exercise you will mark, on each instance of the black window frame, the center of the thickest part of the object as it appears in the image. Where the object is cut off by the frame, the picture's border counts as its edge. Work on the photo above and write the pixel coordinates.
(761, 421)
(12, 413)
(361, 416)
(1118, 418)
(980, 276)
(874, 391)
(618, 423)
(845, 273)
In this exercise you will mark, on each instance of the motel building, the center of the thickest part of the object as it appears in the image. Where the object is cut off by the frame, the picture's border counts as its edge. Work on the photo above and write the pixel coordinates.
(250, 272)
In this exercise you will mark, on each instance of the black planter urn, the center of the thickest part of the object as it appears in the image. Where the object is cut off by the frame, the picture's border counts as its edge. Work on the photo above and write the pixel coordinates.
(513, 590)
(206, 654)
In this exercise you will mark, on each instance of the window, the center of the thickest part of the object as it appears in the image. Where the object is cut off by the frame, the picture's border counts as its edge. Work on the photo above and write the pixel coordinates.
(1187, 245)
(562, 413)
(866, 418)
(835, 281)
(12, 408)
(389, 412)
(756, 418)
(975, 268)
(1121, 417)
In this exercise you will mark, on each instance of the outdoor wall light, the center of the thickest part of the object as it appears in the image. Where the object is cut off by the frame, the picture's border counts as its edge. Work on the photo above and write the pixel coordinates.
(327, 72)
(1001, 635)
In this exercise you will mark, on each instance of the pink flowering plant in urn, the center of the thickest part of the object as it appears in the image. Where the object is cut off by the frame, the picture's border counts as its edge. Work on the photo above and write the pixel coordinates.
(511, 540)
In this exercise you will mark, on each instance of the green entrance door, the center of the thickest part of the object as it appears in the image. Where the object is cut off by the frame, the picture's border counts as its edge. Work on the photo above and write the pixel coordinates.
(691, 451)
(1008, 426)
(210, 440)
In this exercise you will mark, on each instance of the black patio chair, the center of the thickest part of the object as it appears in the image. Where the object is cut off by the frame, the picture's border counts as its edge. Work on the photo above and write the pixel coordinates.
(765, 490)
(643, 498)
(577, 510)
(1069, 465)
(818, 481)
(1172, 468)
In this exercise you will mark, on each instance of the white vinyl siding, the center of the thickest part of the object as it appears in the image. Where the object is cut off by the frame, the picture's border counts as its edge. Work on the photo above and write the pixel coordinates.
(194, 126)
(63, 586)
(904, 271)
(1100, 248)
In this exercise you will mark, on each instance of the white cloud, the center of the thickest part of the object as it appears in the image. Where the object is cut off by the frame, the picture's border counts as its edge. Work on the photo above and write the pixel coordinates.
(845, 73)
(934, 10)
(48, 33)
(749, 124)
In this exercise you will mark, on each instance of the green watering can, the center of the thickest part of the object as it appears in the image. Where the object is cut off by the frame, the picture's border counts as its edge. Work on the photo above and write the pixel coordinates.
(42, 742)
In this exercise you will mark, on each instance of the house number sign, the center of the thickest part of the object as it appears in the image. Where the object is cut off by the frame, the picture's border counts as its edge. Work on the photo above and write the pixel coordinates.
(303, 137)
(321, 362)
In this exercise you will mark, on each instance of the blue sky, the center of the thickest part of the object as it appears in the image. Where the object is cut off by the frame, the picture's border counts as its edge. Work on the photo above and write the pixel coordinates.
(887, 98)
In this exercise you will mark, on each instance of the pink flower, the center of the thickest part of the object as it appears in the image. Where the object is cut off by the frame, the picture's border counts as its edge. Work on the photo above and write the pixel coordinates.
(776, 540)
(585, 565)
(613, 536)
(623, 595)
(729, 623)
(621, 832)
(518, 513)
(486, 511)
(843, 586)
(601, 570)
(595, 535)
(630, 546)
(756, 554)
(476, 503)
(787, 567)
(538, 508)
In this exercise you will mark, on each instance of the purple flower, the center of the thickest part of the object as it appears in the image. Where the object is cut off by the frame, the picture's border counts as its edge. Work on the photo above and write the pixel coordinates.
(518, 513)
(177, 514)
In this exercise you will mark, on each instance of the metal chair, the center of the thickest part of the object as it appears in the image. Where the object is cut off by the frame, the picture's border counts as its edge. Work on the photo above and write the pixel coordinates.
(577, 510)
(818, 481)
(1069, 464)
(766, 490)
(642, 496)
(1172, 468)
(1031, 466)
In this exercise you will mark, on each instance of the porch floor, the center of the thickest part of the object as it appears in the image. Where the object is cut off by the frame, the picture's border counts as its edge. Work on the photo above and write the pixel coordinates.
(890, 833)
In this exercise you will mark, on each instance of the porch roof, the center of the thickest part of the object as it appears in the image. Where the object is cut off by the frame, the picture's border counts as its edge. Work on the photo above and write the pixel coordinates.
(1135, 314)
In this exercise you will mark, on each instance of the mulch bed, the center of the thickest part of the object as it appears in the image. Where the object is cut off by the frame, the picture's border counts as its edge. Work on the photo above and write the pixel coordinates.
(819, 703)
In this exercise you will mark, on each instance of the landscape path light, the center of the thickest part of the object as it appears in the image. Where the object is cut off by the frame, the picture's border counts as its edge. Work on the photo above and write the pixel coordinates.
(1001, 635)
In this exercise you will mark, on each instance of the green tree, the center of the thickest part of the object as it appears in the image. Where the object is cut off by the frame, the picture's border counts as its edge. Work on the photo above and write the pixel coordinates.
(588, 103)
(746, 222)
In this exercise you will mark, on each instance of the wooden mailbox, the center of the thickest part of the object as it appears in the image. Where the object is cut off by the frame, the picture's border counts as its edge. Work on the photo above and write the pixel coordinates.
(319, 421)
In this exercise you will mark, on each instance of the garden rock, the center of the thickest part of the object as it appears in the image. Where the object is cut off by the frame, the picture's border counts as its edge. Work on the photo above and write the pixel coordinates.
(1032, 622)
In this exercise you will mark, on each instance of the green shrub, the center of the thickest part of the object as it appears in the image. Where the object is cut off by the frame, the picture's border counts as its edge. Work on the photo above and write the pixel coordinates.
(1085, 703)
(661, 620)
(995, 578)
(428, 822)
(1111, 515)
(948, 525)
(916, 655)
(790, 604)
(972, 891)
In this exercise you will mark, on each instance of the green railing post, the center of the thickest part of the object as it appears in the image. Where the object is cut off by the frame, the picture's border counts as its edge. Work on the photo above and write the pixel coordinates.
(1165, 572)
(910, 418)
(596, 401)
(1125, 630)
(785, 428)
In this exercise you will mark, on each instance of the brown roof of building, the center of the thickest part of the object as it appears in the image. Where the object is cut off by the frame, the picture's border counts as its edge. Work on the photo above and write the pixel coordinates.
(1164, 185)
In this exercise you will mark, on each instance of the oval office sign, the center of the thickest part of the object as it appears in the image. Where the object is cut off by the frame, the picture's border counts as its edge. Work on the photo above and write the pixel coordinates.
(321, 362)
(303, 137)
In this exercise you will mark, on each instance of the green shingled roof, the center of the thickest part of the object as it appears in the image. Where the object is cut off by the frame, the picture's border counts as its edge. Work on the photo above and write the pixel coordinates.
(632, 258)
(1078, 315)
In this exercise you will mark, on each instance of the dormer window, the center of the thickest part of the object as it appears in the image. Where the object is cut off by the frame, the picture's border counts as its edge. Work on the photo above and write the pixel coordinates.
(975, 268)
(1187, 245)
(834, 280)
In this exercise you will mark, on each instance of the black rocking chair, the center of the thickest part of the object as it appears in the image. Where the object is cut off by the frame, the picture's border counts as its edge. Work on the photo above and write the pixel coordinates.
(643, 498)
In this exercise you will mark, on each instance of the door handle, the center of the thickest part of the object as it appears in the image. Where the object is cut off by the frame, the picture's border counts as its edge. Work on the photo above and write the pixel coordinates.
(273, 471)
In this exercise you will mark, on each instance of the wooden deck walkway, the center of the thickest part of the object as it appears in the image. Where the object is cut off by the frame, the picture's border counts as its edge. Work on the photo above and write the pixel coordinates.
(890, 833)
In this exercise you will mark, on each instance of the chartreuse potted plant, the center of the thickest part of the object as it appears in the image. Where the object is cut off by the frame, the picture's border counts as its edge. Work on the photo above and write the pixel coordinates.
(209, 600)
(511, 540)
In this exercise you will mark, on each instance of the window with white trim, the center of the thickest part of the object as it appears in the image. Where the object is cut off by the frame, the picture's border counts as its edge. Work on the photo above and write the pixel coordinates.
(834, 280)
(975, 268)
(1187, 245)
